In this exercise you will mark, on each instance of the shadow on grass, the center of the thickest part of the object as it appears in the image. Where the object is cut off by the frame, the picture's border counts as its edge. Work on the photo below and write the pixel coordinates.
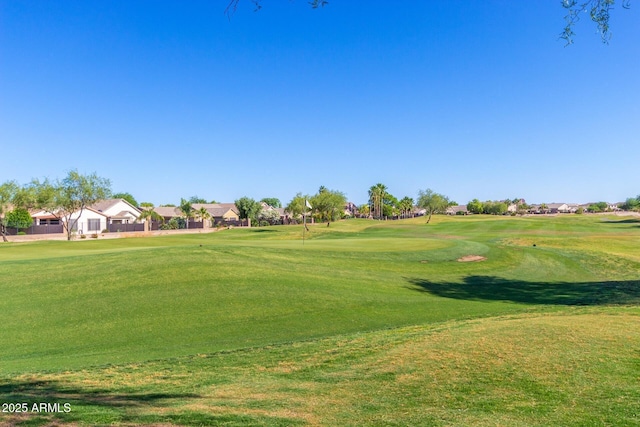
(622, 221)
(58, 403)
(490, 288)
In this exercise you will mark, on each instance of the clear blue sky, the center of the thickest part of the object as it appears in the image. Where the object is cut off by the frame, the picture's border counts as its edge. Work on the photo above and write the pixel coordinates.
(169, 99)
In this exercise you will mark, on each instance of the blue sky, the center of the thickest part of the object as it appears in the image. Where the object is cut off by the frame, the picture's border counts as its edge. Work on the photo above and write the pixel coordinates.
(172, 99)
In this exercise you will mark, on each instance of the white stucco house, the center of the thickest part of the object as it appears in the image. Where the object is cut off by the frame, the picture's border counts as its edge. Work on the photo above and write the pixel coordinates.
(94, 218)
(118, 211)
(88, 221)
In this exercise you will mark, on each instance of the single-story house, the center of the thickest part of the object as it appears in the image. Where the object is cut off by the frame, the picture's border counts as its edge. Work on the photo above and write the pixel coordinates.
(558, 208)
(119, 211)
(220, 212)
(88, 221)
(350, 209)
(44, 218)
(419, 211)
(94, 218)
(168, 212)
(573, 207)
(457, 210)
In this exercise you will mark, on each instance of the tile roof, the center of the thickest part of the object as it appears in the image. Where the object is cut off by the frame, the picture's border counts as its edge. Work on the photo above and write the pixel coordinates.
(167, 211)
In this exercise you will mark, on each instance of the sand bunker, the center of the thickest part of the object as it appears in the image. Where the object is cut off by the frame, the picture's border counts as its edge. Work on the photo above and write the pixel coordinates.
(471, 258)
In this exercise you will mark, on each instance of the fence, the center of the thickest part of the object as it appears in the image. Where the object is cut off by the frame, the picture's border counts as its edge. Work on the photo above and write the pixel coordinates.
(157, 225)
(116, 228)
(37, 229)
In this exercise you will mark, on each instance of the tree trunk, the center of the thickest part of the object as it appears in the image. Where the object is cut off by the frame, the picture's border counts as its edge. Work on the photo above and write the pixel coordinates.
(3, 231)
(429, 220)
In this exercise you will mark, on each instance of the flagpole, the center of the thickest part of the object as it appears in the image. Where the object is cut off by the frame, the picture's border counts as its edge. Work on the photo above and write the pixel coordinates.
(304, 218)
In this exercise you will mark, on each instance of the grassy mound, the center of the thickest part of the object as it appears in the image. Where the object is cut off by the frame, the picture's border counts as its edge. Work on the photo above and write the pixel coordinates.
(577, 368)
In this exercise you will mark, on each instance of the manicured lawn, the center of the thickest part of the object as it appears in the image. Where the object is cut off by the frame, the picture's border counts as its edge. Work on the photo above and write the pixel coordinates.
(364, 323)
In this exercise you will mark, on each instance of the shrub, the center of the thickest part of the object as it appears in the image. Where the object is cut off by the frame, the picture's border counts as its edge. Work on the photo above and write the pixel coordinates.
(174, 224)
(19, 218)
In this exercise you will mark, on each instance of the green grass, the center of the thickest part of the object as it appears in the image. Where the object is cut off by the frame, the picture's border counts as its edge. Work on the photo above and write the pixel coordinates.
(365, 323)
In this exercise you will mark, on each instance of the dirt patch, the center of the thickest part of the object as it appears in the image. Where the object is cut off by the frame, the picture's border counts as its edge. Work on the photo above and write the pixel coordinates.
(471, 258)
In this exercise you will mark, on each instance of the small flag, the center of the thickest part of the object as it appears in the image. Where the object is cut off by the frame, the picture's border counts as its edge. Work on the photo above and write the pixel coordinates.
(306, 202)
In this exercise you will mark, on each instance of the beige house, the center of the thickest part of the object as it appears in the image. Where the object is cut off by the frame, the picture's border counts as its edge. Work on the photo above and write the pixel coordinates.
(220, 212)
(457, 210)
(168, 212)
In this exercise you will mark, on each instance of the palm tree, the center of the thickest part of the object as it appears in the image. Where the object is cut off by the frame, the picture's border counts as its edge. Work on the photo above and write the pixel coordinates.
(406, 205)
(187, 210)
(376, 197)
(203, 214)
(150, 215)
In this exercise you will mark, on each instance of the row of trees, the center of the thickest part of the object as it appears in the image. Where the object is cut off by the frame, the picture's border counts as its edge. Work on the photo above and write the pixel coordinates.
(329, 205)
(66, 199)
(383, 204)
(488, 207)
(326, 205)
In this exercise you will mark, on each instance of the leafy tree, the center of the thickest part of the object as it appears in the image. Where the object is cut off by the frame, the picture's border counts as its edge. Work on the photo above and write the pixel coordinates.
(432, 202)
(195, 199)
(598, 207)
(475, 206)
(364, 210)
(631, 204)
(389, 205)
(269, 216)
(19, 218)
(272, 201)
(126, 196)
(328, 205)
(68, 198)
(297, 206)
(146, 205)
(495, 208)
(248, 209)
(8, 192)
(187, 210)
(599, 12)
